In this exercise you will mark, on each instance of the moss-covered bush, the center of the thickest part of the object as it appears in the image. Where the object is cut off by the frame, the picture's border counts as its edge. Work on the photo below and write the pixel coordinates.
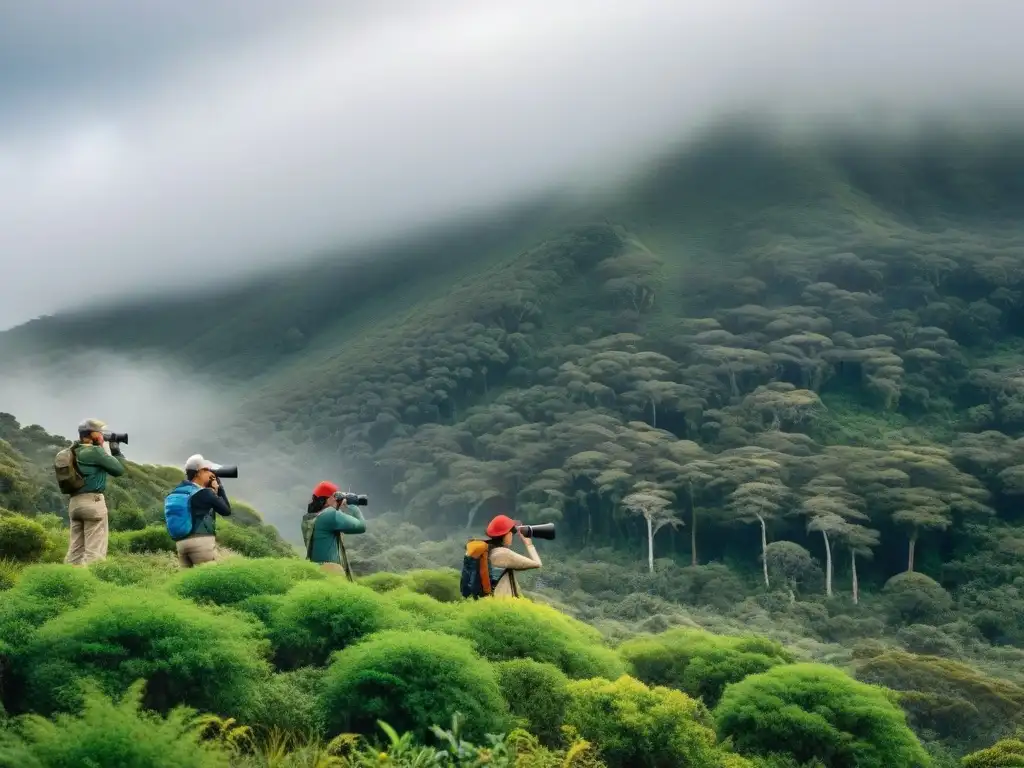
(383, 581)
(316, 618)
(43, 592)
(152, 538)
(813, 711)
(635, 726)
(537, 695)
(237, 579)
(148, 570)
(289, 703)
(505, 629)
(113, 735)
(412, 680)
(21, 538)
(914, 598)
(442, 585)
(188, 655)
(700, 663)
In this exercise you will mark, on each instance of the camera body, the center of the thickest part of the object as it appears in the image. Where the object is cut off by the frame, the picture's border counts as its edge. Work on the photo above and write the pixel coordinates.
(543, 531)
(116, 437)
(358, 499)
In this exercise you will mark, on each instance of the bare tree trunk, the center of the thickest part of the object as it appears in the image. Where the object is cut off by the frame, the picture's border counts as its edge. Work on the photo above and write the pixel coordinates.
(856, 590)
(650, 545)
(764, 550)
(910, 552)
(693, 532)
(828, 565)
(654, 414)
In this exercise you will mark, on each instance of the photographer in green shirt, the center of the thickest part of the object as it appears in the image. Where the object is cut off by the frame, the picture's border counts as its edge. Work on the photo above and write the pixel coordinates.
(326, 520)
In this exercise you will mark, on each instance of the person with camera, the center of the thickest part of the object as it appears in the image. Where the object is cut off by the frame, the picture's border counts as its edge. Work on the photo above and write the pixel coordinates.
(191, 509)
(500, 554)
(328, 517)
(82, 472)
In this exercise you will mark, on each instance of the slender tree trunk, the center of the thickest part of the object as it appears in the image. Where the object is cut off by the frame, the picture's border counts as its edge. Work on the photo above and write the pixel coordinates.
(856, 590)
(693, 532)
(650, 545)
(764, 550)
(910, 552)
(654, 415)
(828, 565)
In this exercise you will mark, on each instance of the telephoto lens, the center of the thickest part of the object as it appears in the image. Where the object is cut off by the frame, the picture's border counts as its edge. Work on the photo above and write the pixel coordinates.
(116, 437)
(542, 531)
(228, 472)
(358, 499)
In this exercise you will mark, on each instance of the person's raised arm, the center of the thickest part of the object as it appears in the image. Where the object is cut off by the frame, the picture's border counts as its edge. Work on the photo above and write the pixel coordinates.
(104, 458)
(340, 521)
(214, 500)
(503, 557)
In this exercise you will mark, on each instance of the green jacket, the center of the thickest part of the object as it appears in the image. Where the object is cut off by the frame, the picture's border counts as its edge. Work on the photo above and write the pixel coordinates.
(324, 527)
(95, 465)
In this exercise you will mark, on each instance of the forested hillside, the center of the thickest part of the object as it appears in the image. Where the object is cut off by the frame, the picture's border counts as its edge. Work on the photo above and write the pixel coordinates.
(775, 384)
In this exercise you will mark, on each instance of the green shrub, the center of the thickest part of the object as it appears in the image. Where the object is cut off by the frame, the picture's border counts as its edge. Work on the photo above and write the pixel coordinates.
(43, 592)
(412, 680)
(21, 538)
(188, 655)
(112, 735)
(427, 612)
(815, 711)
(507, 629)
(913, 598)
(1007, 753)
(127, 519)
(316, 618)
(152, 538)
(383, 581)
(253, 541)
(148, 570)
(537, 694)
(700, 663)
(442, 585)
(289, 703)
(10, 569)
(235, 580)
(635, 726)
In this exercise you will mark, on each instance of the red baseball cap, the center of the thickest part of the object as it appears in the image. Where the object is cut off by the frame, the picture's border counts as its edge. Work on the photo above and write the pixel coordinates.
(501, 525)
(326, 488)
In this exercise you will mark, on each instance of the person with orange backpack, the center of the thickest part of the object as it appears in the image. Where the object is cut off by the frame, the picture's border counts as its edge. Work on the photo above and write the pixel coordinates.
(496, 550)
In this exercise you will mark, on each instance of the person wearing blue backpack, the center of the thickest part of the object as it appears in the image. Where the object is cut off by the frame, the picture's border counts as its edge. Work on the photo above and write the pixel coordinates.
(191, 509)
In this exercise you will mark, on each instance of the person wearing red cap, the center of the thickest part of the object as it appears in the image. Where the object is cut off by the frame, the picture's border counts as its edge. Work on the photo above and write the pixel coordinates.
(327, 518)
(500, 531)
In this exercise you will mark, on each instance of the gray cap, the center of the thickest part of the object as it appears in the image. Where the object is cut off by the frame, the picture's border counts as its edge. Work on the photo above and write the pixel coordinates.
(91, 425)
(196, 462)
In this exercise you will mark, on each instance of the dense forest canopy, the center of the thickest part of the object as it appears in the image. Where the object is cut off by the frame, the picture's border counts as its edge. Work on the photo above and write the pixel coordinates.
(774, 384)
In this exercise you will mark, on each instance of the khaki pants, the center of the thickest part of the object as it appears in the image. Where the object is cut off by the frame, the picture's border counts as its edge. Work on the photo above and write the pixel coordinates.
(89, 531)
(202, 549)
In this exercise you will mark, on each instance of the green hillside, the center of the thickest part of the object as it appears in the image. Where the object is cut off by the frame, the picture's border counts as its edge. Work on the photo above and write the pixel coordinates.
(774, 384)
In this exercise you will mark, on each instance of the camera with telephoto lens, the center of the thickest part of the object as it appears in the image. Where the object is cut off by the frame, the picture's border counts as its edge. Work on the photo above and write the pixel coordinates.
(542, 531)
(116, 437)
(228, 472)
(358, 499)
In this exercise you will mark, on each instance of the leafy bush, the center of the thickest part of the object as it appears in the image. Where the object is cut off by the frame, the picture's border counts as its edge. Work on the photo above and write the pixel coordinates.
(21, 539)
(127, 519)
(813, 711)
(211, 661)
(442, 585)
(235, 580)
(913, 598)
(635, 726)
(253, 540)
(316, 618)
(289, 703)
(412, 680)
(10, 569)
(424, 610)
(148, 570)
(506, 629)
(152, 538)
(112, 735)
(42, 592)
(1008, 753)
(700, 663)
(383, 581)
(537, 694)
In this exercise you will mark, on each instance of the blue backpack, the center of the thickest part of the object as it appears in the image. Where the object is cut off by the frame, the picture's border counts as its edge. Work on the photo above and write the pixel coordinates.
(178, 510)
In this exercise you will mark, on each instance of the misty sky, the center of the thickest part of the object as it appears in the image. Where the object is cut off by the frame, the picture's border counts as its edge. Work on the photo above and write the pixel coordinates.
(152, 144)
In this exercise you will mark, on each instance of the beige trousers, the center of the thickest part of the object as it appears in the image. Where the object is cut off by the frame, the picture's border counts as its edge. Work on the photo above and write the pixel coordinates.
(202, 549)
(90, 533)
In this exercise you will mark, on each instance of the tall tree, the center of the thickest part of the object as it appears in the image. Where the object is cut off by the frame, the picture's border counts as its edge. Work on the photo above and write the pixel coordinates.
(653, 505)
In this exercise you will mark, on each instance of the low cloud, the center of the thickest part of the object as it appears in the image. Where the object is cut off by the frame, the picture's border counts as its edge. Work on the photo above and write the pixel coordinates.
(145, 149)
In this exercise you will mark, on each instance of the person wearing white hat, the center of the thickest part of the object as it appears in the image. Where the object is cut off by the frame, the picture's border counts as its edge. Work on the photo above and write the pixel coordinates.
(191, 510)
(92, 460)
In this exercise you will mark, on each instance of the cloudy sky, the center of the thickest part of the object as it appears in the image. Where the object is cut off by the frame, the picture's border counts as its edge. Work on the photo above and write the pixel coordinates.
(146, 145)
